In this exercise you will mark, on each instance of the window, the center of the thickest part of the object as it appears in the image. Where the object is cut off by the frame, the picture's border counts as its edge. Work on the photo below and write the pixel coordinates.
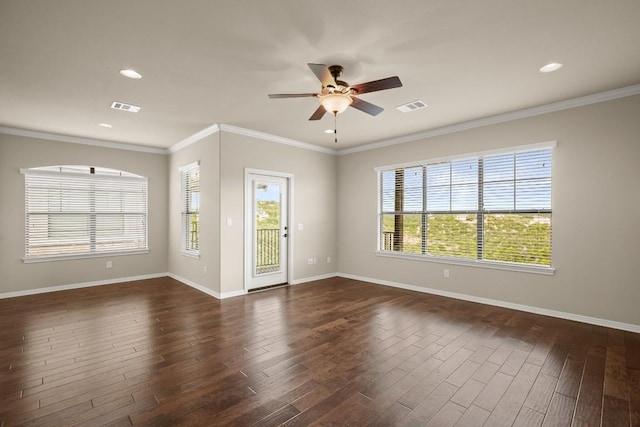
(190, 184)
(80, 211)
(491, 208)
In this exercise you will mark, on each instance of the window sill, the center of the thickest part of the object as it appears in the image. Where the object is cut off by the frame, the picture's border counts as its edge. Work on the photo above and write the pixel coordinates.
(81, 256)
(190, 255)
(548, 271)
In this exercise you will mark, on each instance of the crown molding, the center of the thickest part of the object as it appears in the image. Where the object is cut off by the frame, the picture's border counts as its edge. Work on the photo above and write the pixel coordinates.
(274, 138)
(210, 130)
(500, 118)
(218, 127)
(222, 127)
(83, 141)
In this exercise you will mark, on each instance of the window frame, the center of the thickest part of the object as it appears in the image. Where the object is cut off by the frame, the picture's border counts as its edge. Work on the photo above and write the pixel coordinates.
(186, 211)
(475, 262)
(45, 177)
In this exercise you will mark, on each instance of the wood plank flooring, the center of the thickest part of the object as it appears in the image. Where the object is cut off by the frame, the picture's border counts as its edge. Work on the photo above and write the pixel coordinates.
(333, 352)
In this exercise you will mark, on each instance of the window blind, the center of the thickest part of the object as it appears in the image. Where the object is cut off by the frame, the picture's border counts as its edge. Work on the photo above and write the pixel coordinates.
(75, 211)
(190, 184)
(494, 207)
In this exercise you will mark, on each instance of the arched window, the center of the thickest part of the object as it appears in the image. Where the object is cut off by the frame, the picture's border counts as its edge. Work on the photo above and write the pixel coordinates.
(83, 211)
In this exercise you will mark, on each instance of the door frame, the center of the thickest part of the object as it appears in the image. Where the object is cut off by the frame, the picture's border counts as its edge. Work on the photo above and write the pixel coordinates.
(248, 243)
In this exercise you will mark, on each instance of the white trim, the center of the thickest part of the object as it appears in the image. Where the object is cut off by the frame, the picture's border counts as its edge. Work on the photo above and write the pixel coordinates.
(509, 150)
(83, 141)
(189, 254)
(500, 118)
(522, 268)
(189, 166)
(93, 177)
(206, 290)
(514, 306)
(185, 210)
(312, 278)
(82, 256)
(457, 127)
(247, 232)
(80, 285)
(479, 263)
(520, 307)
(210, 130)
(274, 138)
(233, 294)
(195, 285)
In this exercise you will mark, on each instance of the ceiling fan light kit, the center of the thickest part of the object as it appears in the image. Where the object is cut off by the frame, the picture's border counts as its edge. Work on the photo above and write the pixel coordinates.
(336, 95)
(335, 103)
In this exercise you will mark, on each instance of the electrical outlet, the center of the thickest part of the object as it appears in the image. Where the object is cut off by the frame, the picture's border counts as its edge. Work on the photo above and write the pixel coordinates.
(328, 260)
(310, 261)
(446, 273)
(109, 264)
(205, 269)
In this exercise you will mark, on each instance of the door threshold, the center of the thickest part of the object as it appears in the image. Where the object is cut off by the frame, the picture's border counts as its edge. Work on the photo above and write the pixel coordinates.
(266, 288)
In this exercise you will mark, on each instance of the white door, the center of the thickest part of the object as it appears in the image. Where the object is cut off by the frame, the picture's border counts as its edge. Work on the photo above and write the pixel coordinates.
(266, 249)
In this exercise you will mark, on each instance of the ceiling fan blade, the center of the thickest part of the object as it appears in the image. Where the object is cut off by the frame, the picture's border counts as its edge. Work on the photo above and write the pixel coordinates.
(291, 95)
(323, 74)
(317, 115)
(365, 106)
(376, 85)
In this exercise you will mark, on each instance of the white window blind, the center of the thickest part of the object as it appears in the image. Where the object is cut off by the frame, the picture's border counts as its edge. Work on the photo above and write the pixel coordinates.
(494, 207)
(190, 184)
(76, 211)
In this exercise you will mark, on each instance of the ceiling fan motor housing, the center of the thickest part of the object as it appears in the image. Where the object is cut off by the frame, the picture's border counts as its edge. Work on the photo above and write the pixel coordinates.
(336, 70)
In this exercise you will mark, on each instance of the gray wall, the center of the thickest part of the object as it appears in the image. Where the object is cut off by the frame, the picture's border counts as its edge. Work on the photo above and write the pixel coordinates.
(18, 152)
(596, 213)
(596, 209)
(207, 151)
(314, 204)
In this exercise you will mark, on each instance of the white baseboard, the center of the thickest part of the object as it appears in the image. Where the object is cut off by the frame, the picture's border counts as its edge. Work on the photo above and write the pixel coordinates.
(312, 279)
(233, 294)
(195, 285)
(520, 307)
(241, 292)
(206, 290)
(79, 285)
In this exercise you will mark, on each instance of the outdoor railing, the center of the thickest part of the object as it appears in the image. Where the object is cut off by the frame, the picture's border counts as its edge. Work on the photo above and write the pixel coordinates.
(387, 240)
(268, 251)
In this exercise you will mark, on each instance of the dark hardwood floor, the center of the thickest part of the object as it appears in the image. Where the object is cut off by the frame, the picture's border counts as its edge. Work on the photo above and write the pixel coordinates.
(332, 352)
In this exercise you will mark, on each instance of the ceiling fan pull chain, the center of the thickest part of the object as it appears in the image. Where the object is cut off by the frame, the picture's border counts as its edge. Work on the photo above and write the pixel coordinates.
(335, 128)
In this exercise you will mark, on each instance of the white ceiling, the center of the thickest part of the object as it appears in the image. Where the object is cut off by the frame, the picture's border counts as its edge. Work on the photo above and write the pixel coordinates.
(206, 62)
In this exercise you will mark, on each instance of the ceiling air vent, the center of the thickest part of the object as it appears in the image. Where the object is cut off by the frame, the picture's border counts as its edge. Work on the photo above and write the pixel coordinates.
(412, 106)
(125, 107)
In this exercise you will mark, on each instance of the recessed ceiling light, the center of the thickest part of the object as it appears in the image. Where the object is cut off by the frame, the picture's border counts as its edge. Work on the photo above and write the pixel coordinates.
(551, 67)
(132, 74)
(105, 125)
(329, 131)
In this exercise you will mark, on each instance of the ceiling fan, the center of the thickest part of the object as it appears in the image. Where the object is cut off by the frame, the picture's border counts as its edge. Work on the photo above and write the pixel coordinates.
(336, 95)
